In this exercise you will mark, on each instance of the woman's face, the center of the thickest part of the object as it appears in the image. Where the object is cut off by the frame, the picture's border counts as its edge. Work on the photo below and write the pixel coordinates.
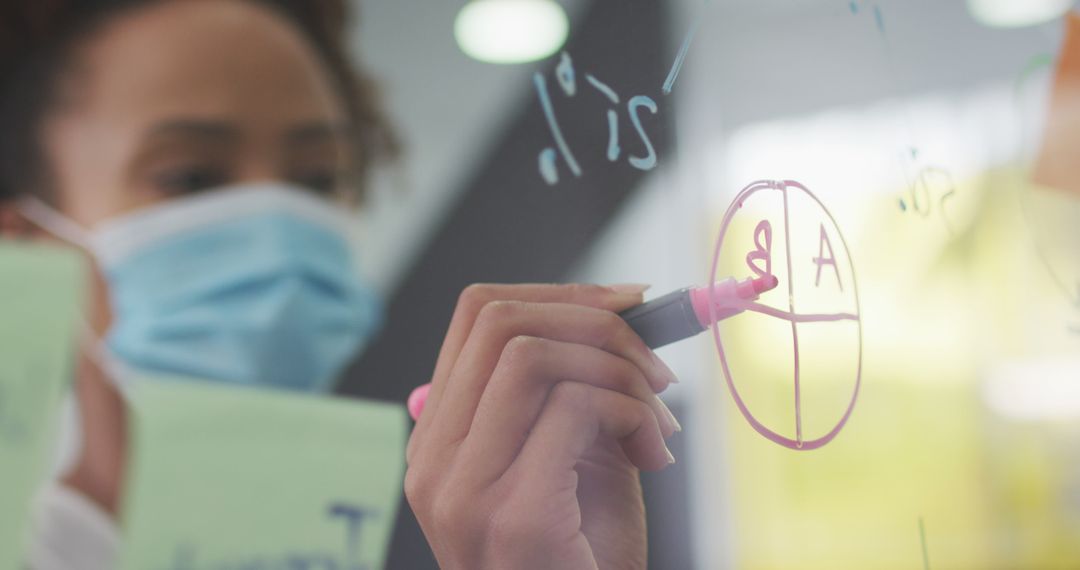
(164, 101)
(179, 97)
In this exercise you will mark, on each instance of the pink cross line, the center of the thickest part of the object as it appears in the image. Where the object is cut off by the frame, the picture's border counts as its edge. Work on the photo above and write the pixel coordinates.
(788, 316)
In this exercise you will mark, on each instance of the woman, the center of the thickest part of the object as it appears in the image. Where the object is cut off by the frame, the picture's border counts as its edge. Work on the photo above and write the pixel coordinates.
(202, 154)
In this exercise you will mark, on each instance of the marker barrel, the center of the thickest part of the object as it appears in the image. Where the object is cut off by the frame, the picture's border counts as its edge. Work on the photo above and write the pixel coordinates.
(664, 320)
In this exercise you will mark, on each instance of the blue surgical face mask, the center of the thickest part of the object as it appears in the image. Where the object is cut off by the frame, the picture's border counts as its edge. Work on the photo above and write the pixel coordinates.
(251, 285)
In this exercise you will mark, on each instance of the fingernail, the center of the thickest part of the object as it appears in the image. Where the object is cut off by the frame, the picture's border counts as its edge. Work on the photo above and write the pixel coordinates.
(664, 417)
(670, 416)
(629, 288)
(670, 457)
(664, 370)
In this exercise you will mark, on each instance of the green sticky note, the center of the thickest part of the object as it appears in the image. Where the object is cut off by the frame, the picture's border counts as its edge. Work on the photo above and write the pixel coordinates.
(235, 478)
(40, 298)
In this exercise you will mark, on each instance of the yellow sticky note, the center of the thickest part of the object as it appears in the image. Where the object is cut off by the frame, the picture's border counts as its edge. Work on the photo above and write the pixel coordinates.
(225, 477)
(40, 298)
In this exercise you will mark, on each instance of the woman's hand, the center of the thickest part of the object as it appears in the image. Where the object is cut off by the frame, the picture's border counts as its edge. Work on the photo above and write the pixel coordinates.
(542, 410)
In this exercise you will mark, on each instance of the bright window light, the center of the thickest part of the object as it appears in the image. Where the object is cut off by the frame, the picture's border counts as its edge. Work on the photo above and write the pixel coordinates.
(511, 31)
(969, 131)
(1017, 13)
(1038, 390)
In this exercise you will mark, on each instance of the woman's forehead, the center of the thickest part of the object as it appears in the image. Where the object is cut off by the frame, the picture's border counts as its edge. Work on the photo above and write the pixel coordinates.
(224, 59)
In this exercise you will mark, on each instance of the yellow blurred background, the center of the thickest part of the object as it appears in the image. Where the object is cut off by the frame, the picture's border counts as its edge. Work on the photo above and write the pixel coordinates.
(964, 420)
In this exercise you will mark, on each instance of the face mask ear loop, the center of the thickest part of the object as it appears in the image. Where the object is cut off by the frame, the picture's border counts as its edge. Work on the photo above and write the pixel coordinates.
(59, 225)
(97, 351)
(47, 218)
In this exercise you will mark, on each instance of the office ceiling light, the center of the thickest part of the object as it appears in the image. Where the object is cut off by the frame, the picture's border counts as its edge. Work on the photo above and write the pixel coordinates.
(511, 31)
(1017, 13)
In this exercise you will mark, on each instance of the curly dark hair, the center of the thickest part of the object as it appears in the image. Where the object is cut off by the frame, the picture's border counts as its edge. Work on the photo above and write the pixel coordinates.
(38, 38)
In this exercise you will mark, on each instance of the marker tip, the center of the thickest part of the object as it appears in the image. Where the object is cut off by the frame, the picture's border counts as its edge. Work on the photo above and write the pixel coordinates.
(765, 283)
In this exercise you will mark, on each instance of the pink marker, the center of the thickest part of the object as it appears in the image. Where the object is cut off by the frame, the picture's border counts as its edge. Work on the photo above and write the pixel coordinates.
(676, 316)
(685, 313)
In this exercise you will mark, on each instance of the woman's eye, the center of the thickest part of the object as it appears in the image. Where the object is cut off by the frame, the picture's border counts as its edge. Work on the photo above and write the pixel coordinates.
(190, 179)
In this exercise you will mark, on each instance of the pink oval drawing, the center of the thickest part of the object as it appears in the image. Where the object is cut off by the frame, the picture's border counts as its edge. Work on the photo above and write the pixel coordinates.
(798, 443)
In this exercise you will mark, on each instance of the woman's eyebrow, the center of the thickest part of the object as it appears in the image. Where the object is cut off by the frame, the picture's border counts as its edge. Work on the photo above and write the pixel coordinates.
(317, 132)
(215, 130)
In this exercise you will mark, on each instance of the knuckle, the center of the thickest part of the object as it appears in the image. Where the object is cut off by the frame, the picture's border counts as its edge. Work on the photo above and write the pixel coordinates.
(417, 489)
(612, 321)
(475, 295)
(612, 328)
(573, 395)
(622, 334)
(495, 312)
(439, 504)
(523, 352)
(523, 343)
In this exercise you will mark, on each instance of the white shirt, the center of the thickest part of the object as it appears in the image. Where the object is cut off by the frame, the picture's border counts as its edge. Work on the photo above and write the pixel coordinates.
(70, 532)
